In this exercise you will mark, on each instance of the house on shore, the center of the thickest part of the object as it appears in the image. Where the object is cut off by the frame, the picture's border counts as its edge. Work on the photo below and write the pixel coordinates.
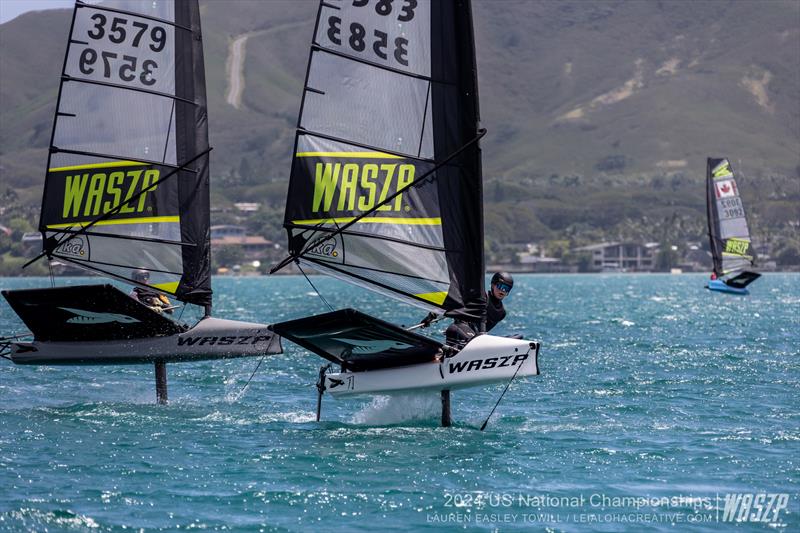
(621, 256)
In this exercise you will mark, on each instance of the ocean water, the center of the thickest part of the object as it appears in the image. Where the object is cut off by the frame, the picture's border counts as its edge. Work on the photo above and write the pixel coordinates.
(657, 401)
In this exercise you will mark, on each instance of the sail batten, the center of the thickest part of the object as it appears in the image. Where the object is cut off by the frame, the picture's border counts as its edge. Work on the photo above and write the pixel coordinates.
(102, 7)
(378, 65)
(129, 147)
(399, 155)
(122, 87)
(117, 159)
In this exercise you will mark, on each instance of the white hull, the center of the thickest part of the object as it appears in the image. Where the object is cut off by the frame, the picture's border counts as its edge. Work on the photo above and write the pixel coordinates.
(486, 359)
(211, 338)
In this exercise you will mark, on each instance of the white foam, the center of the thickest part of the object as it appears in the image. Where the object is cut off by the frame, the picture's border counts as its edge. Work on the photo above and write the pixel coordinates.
(400, 407)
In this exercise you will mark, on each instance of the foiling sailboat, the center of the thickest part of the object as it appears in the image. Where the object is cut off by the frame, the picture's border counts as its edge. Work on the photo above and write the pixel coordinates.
(386, 193)
(127, 190)
(731, 248)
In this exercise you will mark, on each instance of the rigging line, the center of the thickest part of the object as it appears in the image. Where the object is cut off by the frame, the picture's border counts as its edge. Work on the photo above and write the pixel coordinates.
(318, 227)
(118, 265)
(127, 237)
(417, 181)
(123, 158)
(241, 392)
(114, 210)
(314, 287)
(381, 271)
(409, 298)
(483, 426)
(17, 336)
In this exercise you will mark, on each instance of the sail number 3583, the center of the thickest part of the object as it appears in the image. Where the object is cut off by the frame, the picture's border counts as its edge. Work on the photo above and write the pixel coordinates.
(358, 39)
(126, 67)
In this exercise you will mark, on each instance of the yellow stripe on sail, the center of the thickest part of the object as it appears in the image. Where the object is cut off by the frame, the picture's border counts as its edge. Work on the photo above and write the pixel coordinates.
(114, 222)
(403, 221)
(732, 254)
(171, 287)
(354, 155)
(434, 297)
(110, 164)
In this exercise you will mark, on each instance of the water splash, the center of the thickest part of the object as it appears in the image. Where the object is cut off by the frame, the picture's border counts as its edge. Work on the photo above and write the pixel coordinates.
(399, 408)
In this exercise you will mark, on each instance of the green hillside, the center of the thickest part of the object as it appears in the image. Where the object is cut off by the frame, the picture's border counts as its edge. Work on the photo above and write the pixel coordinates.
(600, 114)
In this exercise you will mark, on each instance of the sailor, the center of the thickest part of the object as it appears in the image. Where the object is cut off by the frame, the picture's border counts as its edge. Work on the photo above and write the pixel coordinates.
(460, 331)
(502, 283)
(152, 299)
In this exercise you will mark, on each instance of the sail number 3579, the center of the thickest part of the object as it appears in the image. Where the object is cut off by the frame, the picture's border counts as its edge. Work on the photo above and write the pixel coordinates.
(126, 67)
(379, 40)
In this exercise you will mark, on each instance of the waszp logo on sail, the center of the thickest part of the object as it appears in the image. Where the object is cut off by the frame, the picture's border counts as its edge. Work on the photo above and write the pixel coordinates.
(754, 507)
(737, 246)
(95, 193)
(360, 186)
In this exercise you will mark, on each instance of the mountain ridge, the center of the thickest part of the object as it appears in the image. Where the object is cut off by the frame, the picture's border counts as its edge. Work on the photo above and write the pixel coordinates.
(606, 96)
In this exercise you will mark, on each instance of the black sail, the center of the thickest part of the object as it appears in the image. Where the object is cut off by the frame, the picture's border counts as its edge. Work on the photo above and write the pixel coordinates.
(386, 184)
(731, 248)
(127, 183)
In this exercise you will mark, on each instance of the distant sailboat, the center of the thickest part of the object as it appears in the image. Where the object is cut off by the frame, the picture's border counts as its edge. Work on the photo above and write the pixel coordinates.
(127, 190)
(731, 248)
(386, 193)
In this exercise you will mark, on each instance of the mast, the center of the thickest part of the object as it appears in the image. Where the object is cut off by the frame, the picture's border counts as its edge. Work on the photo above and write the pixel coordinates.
(713, 220)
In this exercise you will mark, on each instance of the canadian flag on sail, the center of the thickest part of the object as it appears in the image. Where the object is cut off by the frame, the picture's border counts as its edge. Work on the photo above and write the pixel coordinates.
(725, 188)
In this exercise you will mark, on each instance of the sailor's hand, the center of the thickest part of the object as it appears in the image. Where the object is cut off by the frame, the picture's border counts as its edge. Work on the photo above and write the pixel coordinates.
(428, 319)
(157, 309)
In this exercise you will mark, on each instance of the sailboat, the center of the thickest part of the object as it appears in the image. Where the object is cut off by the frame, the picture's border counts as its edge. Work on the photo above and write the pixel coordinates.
(127, 190)
(731, 248)
(386, 193)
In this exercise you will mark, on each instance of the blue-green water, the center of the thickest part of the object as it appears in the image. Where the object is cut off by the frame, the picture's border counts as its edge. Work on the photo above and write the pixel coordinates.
(651, 388)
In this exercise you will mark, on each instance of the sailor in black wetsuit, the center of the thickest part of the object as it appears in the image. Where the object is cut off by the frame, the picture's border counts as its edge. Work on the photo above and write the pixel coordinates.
(460, 332)
(152, 299)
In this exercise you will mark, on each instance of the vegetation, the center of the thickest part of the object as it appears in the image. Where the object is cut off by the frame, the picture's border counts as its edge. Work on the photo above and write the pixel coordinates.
(592, 137)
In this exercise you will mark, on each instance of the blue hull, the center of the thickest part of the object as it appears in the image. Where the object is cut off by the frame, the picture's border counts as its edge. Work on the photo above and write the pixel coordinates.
(721, 286)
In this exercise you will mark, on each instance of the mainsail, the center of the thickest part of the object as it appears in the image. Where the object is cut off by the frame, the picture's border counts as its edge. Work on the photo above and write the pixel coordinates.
(127, 183)
(385, 189)
(727, 226)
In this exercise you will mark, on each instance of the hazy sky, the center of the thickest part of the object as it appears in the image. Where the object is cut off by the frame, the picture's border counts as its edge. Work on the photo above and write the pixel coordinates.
(10, 9)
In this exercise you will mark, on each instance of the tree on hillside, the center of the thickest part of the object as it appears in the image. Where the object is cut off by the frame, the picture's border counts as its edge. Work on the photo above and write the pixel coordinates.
(227, 256)
(666, 259)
